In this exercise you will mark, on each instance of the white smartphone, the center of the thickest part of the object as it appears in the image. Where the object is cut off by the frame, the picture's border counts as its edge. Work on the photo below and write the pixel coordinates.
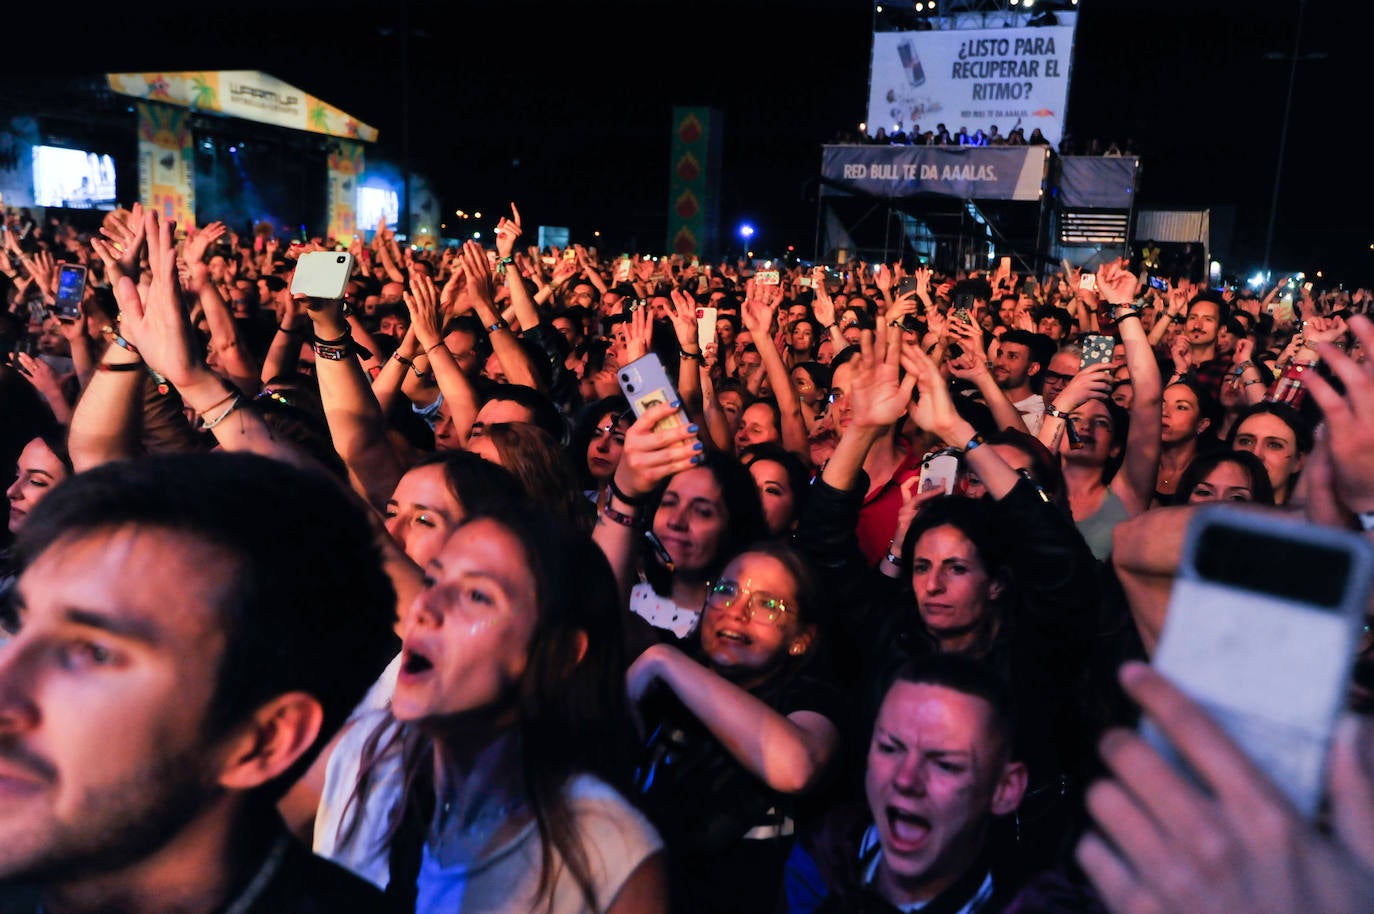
(624, 269)
(1088, 282)
(706, 326)
(645, 383)
(1263, 624)
(322, 274)
(938, 471)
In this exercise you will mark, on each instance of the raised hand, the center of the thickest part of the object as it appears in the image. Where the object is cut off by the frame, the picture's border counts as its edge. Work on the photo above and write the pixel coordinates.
(478, 269)
(426, 312)
(127, 236)
(158, 323)
(1091, 383)
(933, 409)
(879, 394)
(684, 317)
(508, 232)
(652, 454)
(639, 333)
(883, 280)
(1349, 419)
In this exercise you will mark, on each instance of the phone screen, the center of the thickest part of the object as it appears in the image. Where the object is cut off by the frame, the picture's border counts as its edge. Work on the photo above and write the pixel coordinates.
(71, 286)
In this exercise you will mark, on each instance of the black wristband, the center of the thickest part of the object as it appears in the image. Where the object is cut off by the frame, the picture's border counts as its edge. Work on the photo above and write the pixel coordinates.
(625, 499)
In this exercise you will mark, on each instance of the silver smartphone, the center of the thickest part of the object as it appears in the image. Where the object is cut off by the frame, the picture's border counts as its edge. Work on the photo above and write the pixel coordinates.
(322, 274)
(71, 288)
(1263, 624)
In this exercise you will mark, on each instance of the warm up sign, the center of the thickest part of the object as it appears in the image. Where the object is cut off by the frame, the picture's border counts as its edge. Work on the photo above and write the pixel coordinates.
(973, 78)
(966, 172)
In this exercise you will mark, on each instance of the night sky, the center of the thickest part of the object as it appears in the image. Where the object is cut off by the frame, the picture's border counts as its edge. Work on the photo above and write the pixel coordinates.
(565, 108)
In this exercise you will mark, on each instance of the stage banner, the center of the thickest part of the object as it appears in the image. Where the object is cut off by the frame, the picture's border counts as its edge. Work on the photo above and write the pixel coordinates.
(343, 167)
(973, 78)
(694, 181)
(1106, 182)
(166, 163)
(966, 172)
(246, 94)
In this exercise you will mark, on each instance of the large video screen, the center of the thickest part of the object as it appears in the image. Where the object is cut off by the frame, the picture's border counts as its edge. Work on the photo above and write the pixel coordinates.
(376, 202)
(74, 178)
(972, 78)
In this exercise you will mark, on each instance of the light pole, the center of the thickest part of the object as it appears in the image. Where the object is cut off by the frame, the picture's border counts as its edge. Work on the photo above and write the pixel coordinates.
(1283, 133)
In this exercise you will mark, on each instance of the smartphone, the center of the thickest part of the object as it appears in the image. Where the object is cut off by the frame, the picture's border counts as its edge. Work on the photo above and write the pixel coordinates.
(322, 274)
(623, 268)
(645, 383)
(569, 253)
(1160, 283)
(906, 285)
(767, 277)
(1097, 350)
(1263, 625)
(706, 326)
(938, 471)
(71, 288)
(1004, 266)
(1088, 282)
(804, 282)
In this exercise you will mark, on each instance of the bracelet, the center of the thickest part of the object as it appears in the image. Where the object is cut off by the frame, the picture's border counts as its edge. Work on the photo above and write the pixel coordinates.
(1050, 410)
(288, 331)
(347, 335)
(218, 403)
(624, 520)
(1240, 369)
(120, 341)
(894, 560)
(331, 352)
(430, 349)
(499, 325)
(402, 359)
(120, 366)
(235, 403)
(976, 441)
(689, 355)
(636, 502)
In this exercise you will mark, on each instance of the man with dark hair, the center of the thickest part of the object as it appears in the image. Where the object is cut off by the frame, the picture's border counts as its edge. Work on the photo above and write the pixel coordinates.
(941, 767)
(1206, 364)
(190, 630)
(1020, 357)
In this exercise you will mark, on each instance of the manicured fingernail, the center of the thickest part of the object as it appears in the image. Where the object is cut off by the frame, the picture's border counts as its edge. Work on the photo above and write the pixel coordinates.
(693, 428)
(696, 458)
(698, 446)
(675, 403)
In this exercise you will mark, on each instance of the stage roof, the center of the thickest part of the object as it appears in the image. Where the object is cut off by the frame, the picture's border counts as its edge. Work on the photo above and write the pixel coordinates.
(244, 94)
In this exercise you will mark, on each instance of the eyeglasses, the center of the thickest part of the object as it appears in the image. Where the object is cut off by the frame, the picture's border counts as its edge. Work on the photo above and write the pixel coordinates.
(1056, 376)
(724, 594)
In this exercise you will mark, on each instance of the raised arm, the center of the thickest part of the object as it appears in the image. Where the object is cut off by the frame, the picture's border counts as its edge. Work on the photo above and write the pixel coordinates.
(1135, 483)
(515, 361)
(758, 311)
(235, 361)
(426, 322)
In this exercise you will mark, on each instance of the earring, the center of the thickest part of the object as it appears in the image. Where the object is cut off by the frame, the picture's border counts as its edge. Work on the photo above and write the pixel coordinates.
(795, 650)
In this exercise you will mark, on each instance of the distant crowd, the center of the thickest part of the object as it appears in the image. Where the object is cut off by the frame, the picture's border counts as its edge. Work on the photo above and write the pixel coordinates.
(352, 575)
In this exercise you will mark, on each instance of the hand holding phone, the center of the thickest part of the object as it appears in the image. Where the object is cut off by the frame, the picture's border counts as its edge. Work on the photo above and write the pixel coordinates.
(1097, 350)
(645, 383)
(322, 274)
(1262, 627)
(71, 289)
(939, 470)
(706, 326)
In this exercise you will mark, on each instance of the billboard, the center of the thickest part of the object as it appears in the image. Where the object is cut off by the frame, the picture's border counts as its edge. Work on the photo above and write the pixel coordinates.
(974, 78)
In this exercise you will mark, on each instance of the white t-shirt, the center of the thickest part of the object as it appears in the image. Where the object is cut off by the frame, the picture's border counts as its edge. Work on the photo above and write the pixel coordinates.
(616, 837)
(1032, 410)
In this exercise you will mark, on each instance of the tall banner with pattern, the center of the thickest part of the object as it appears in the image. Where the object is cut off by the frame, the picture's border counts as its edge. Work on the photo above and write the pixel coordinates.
(694, 182)
(344, 166)
(166, 180)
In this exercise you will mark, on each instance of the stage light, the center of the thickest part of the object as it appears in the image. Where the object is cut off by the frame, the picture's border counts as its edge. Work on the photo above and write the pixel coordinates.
(746, 231)
(234, 149)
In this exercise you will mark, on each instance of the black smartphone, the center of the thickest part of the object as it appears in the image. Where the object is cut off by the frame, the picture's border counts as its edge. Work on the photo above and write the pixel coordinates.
(71, 288)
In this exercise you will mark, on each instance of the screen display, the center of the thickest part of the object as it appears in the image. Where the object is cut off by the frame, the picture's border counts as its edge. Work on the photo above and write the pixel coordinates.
(73, 178)
(1288, 568)
(376, 202)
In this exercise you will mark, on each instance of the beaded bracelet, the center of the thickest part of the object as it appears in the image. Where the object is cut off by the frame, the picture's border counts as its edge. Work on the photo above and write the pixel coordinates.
(624, 520)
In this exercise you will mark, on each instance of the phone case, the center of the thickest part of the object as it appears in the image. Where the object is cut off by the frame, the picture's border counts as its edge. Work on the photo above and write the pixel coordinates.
(706, 326)
(645, 383)
(767, 277)
(938, 471)
(623, 269)
(322, 274)
(1097, 350)
(1088, 281)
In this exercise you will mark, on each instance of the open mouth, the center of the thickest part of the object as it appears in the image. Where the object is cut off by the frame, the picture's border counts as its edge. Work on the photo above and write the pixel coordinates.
(731, 636)
(908, 830)
(413, 663)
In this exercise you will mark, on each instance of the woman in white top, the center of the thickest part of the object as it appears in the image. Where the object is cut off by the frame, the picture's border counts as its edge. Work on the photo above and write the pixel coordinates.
(492, 781)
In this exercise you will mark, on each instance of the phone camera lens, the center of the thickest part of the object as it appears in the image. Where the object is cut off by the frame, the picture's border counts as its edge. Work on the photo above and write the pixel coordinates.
(341, 259)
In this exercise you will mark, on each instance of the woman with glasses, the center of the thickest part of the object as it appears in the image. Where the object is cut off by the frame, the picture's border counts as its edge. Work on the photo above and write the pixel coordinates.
(737, 728)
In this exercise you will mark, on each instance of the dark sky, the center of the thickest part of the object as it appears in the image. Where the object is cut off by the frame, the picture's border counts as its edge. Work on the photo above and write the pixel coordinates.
(565, 108)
